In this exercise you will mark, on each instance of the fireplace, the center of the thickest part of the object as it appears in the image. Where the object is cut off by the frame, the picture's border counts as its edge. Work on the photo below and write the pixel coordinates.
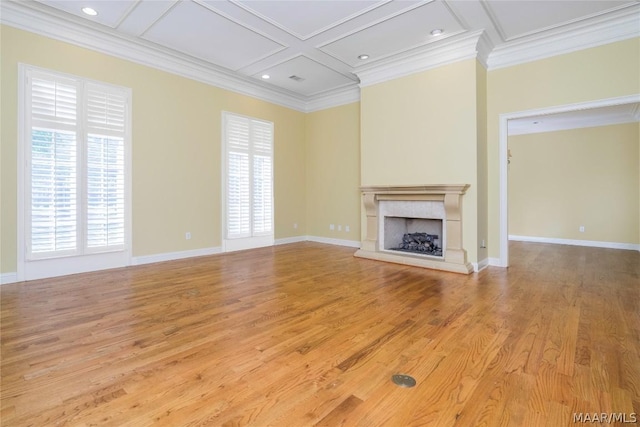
(417, 236)
(415, 225)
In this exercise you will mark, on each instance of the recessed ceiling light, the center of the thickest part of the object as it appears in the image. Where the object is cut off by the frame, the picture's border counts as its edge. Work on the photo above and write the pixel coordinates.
(363, 56)
(89, 11)
(266, 76)
(436, 32)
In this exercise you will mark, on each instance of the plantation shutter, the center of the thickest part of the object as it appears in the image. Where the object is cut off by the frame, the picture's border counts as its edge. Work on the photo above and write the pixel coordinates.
(53, 172)
(238, 189)
(249, 177)
(105, 189)
(262, 199)
(75, 180)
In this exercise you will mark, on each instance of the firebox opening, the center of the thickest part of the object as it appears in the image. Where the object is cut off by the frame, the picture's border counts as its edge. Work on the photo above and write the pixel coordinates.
(418, 236)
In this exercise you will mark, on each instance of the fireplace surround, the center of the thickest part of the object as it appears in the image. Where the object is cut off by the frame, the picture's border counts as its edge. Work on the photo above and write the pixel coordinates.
(419, 208)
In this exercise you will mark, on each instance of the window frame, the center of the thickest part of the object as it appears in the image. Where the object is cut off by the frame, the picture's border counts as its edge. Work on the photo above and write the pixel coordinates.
(254, 239)
(84, 258)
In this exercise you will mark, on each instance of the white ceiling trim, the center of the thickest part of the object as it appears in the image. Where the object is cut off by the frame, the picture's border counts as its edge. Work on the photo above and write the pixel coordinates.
(53, 25)
(604, 29)
(283, 45)
(314, 33)
(452, 50)
(608, 28)
(324, 45)
(334, 98)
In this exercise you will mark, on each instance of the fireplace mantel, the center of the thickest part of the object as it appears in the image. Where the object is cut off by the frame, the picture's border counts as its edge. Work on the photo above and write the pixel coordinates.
(455, 256)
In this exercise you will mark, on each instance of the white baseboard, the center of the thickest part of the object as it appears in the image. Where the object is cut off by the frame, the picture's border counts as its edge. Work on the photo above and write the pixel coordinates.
(479, 266)
(6, 278)
(170, 256)
(338, 242)
(495, 262)
(592, 243)
(287, 240)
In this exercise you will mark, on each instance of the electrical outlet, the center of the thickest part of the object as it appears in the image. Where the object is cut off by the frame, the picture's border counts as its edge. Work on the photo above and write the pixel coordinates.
(582, 228)
(332, 227)
(339, 227)
(346, 228)
(295, 225)
(187, 235)
(483, 245)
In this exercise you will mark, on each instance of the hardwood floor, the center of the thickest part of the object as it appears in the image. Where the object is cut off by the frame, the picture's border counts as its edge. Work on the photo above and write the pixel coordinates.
(307, 335)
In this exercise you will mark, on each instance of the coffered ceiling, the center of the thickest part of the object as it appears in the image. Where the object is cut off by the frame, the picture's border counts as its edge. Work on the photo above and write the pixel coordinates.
(311, 49)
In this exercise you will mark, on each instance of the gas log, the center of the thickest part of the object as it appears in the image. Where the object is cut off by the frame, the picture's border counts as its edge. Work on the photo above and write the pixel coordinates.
(421, 243)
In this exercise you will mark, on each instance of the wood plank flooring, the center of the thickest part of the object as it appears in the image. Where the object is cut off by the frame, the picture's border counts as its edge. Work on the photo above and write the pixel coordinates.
(307, 335)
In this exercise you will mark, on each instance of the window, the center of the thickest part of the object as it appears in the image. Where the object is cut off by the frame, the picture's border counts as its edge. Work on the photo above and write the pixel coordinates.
(248, 182)
(75, 151)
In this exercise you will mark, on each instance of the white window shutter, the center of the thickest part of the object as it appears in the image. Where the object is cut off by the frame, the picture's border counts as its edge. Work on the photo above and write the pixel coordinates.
(53, 179)
(238, 187)
(249, 177)
(76, 184)
(105, 173)
(262, 133)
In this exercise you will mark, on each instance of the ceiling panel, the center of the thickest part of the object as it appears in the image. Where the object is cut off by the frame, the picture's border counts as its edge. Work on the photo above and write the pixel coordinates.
(519, 18)
(110, 12)
(312, 77)
(144, 15)
(193, 29)
(305, 19)
(400, 33)
(320, 40)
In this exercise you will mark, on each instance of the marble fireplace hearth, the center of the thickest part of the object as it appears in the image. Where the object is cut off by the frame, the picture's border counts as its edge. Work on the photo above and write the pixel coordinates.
(420, 205)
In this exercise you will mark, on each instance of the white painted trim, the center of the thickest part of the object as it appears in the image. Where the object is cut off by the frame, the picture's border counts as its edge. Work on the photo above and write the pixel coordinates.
(495, 262)
(615, 26)
(29, 16)
(454, 49)
(287, 240)
(171, 256)
(64, 266)
(21, 170)
(479, 266)
(503, 146)
(334, 98)
(337, 242)
(604, 29)
(591, 243)
(6, 278)
(85, 260)
(242, 244)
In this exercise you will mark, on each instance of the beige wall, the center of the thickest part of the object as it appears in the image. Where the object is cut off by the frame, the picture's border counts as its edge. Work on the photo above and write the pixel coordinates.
(333, 172)
(602, 72)
(176, 147)
(422, 129)
(559, 181)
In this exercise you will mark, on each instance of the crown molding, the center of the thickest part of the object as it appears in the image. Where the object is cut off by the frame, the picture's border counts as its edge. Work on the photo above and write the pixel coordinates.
(453, 49)
(604, 29)
(334, 98)
(39, 19)
(31, 17)
(484, 49)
